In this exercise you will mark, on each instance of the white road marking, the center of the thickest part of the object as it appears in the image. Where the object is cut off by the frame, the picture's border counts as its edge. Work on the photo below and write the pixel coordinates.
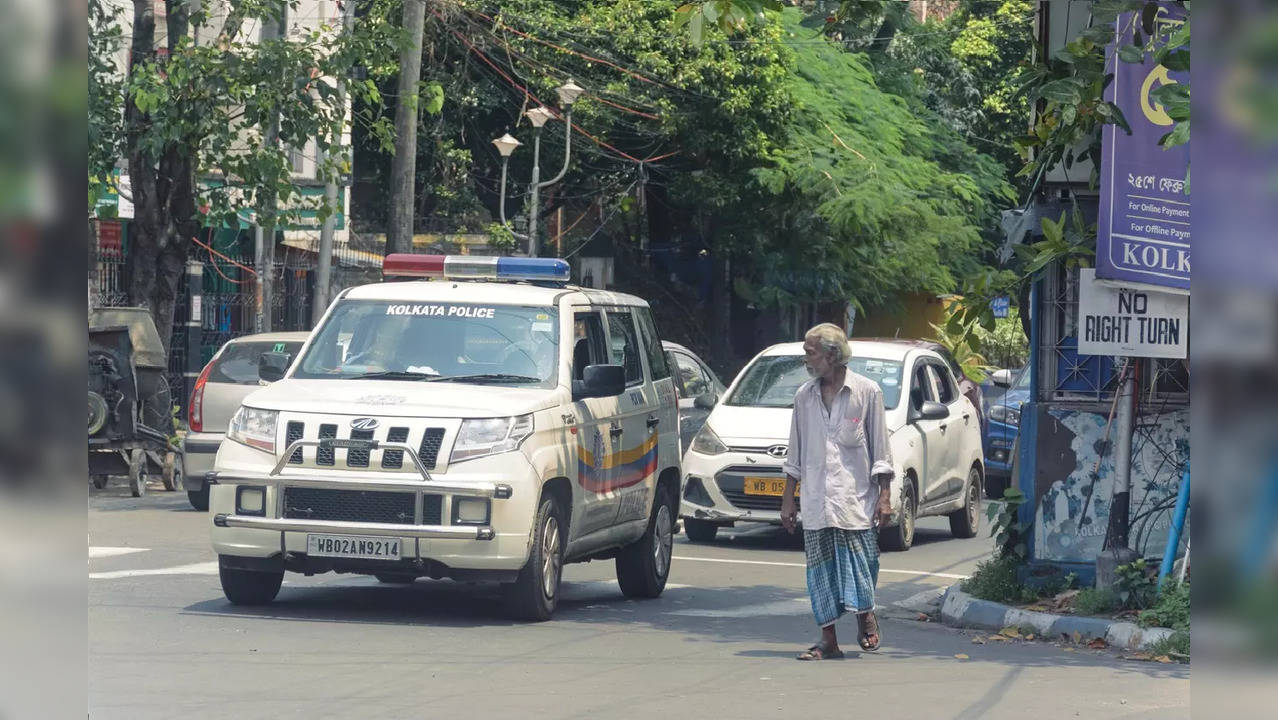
(105, 552)
(802, 565)
(204, 568)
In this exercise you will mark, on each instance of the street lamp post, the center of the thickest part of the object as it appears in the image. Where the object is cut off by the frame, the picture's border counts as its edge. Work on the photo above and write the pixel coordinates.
(538, 116)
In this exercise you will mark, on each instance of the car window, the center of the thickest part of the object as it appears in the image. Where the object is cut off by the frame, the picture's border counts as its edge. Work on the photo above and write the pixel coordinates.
(589, 343)
(772, 381)
(652, 344)
(693, 377)
(624, 345)
(921, 389)
(946, 392)
(509, 344)
(237, 363)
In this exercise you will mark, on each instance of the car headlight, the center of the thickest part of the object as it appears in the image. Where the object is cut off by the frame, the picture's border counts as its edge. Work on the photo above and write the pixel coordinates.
(1005, 414)
(254, 427)
(489, 436)
(707, 443)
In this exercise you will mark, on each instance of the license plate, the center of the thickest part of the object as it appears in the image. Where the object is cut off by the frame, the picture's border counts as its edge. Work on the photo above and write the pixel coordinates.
(353, 546)
(767, 486)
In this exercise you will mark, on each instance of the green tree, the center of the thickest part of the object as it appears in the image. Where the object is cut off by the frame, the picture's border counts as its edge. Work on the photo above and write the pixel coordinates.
(191, 121)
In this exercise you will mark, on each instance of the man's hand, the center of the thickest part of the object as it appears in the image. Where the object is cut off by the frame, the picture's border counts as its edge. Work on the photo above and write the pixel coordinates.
(789, 517)
(883, 516)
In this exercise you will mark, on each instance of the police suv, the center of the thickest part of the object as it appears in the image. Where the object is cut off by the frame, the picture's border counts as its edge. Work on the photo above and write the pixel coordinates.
(483, 421)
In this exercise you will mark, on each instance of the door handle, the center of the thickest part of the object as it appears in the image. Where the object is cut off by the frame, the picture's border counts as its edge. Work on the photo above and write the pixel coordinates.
(653, 422)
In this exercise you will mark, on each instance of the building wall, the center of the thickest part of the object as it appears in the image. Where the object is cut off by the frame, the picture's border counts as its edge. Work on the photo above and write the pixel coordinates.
(912, 320)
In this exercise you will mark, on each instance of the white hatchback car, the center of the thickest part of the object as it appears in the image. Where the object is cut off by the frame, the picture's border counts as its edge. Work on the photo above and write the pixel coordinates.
(732, 471)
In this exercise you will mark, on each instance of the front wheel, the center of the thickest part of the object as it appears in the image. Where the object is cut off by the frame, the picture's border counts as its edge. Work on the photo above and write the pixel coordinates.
(249, 587)
(535, 593)
(700, 531)
(901, 537)
(966, 521)
(644, 565)
(137, 473)
(199, 498)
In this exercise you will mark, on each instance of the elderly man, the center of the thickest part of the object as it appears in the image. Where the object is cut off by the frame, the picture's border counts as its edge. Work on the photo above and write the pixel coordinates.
(839, 457)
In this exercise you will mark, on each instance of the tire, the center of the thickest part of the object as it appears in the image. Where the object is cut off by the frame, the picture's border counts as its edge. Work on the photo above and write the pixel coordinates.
(644, 565)
(390, 579)
(97, 413)
(901, 537)
(535, 593)
(966, 521)
(199, 498)
(700, 531)
(172, 476)
(137, 473)
(249, 587)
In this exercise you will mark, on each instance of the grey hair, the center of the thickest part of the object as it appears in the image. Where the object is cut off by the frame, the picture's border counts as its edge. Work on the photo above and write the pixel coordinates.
(832, 341)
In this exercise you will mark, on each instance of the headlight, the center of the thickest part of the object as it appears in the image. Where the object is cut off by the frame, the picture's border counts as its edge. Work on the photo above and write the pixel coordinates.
(1005, 414)
(489, 436)
(707, 443)
(253, 427)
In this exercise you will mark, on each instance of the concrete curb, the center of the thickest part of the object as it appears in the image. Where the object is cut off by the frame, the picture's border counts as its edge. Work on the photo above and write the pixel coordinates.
(959, 609)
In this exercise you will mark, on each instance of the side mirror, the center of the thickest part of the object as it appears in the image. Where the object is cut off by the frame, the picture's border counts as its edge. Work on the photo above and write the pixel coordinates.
(705, 401)
(1001, 378)
(600, 381)
(931, 410)
(271, 366)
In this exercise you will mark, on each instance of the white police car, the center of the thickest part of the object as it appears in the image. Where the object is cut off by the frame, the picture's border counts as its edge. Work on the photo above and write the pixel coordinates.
(486, 421)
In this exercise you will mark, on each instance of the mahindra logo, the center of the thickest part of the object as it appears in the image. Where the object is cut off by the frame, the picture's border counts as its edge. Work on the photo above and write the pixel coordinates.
(778, 451)
(364, 424)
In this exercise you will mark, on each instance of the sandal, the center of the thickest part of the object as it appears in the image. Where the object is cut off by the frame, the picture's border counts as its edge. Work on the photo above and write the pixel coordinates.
(816, 652)
(868, 625)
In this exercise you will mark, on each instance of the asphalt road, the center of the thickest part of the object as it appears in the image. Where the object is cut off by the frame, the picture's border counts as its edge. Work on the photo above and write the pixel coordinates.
(165, 643)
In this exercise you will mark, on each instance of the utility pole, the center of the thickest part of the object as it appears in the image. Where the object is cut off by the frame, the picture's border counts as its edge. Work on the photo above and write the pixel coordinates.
(399, 235)
(1116, 551)
(324, 268)
(264, 237)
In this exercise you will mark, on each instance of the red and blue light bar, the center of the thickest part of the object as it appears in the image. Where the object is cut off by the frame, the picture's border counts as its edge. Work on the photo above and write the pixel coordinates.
(476, 267)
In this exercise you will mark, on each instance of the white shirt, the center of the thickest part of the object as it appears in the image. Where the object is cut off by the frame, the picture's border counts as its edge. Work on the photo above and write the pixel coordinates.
(839, 455)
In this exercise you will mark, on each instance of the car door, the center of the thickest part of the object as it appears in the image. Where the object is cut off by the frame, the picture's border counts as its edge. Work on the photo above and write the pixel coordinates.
(694, 381)
(594, 418)
(636, 429)
(954, 429)
(932, 481)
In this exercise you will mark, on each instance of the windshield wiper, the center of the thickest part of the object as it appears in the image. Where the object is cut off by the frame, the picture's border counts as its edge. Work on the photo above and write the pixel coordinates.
(481, 377)
(395, 375)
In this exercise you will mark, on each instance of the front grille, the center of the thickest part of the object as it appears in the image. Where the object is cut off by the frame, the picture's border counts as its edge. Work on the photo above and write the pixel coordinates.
(432, 440)
(359, 458)
(433, 510)
(323, 455)
(394, 459)
(292, 435)
(755, 502)
(349, 505)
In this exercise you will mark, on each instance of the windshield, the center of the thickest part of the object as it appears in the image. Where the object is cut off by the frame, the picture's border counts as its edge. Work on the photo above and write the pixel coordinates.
(237, 363)
(772, 381)
(465, 342)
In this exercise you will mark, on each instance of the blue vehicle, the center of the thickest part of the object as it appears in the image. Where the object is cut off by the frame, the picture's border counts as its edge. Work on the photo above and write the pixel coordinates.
(1004, 413)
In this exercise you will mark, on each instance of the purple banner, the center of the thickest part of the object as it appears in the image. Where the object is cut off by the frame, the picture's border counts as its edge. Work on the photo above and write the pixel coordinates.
(1143, 228)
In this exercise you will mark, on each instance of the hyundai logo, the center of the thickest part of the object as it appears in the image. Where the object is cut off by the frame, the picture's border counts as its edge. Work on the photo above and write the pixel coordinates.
(364, 424)
(778, 451)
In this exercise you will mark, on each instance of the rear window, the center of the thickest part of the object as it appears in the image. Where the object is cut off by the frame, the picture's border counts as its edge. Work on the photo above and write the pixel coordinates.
(237, 363)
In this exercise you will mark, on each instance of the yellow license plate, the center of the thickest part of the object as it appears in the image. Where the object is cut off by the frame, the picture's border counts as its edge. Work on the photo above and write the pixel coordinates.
(766, 486)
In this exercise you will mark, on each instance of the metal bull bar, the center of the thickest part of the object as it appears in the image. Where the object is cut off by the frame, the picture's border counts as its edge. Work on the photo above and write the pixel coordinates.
(277, 477)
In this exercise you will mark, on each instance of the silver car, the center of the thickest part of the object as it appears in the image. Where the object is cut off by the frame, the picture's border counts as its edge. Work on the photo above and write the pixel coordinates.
(227, 379)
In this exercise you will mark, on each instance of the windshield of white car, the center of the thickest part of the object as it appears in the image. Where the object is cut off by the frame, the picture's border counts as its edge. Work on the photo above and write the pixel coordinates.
(772, 381)
(436, 342)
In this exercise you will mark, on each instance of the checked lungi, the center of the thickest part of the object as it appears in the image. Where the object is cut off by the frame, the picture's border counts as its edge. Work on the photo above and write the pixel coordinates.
(843, 567)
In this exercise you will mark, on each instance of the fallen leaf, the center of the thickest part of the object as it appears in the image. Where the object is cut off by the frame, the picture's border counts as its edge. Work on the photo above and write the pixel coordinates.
(1162, 659)
(1078, 637)
(1068, 649)
(978, 641)
(961, 656)
(998, 638)
(923, 617)
(1139, 656)
(1097, 644)
(1030, 636)
(1011, 631)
